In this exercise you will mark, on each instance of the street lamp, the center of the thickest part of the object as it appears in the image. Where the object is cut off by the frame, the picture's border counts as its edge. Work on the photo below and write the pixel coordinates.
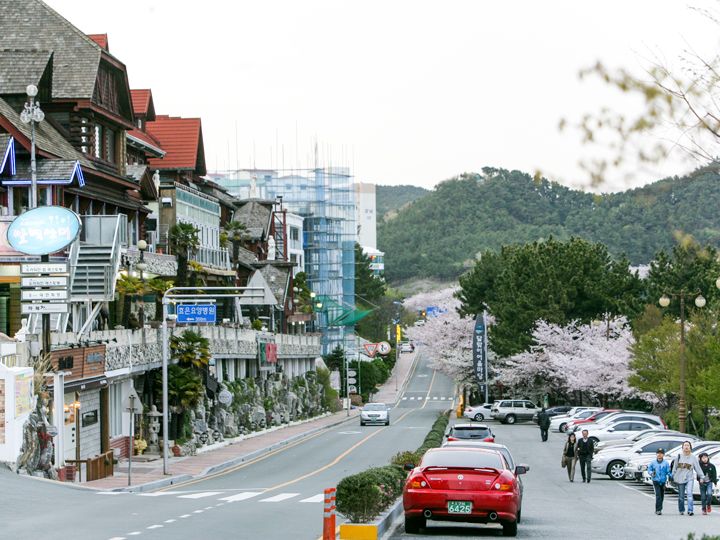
(32, 114)
(142, 266)
(700, 302)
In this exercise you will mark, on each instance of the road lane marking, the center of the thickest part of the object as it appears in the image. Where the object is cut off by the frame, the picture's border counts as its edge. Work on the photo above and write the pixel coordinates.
(198, 511)
(155, 527)
(160, 493)
(405, 383)
(637, 491)
(200, 495)
(208, 508)
(134, 533)
(112, 493)
(185, 516)
(118, 538)
(280, 497)
(430, 388)
(404, 397)
(314, 499)
(435, 397)
(241, 496)
(170, 521)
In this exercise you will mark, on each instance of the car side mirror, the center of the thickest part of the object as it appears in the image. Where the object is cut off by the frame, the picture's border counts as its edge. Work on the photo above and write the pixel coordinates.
(521, 469)
(638, 451)
(611, 430)
(408, 466)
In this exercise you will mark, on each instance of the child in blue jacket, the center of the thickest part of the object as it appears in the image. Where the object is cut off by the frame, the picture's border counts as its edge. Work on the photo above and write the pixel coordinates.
(659, 471)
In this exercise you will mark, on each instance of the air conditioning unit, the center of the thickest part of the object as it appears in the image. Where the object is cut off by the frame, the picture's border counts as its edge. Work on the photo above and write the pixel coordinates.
(166, 202)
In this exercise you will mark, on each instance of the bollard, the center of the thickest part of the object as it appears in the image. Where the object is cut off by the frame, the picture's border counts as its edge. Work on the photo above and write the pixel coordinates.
(329, 515)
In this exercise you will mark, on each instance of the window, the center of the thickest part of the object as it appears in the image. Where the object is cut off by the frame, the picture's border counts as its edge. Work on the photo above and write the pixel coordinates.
(104, 147)
(517, 404)
(116, 410)
(529, 405)
(623, 426)
(294, 233)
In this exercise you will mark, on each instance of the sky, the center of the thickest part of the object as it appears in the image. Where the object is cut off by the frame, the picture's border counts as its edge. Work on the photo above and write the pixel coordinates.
(402, 92)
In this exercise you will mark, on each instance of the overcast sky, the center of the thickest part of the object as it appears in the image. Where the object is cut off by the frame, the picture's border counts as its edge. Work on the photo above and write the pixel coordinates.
(404, 92)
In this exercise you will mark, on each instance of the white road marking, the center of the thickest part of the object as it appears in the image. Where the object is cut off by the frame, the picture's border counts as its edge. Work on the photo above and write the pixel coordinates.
(349, 432)
(637, 491)
(118, 538)
(280, 497)
(200, 495)
(435, 397)
(314, 499)
(198, 511)
(219, 504)
(113, 493)
(185, 516)
(155, 527)
(170, 521)
(161, 493)
(134, 533)
(208, 508)
(241, 496)
(404, 397)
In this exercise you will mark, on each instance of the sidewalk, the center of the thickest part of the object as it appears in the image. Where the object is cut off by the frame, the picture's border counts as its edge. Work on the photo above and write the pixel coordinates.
(147, 476)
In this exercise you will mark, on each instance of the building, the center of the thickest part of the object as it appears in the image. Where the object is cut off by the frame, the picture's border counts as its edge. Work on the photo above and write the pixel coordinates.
(366, 215)
(296, 253)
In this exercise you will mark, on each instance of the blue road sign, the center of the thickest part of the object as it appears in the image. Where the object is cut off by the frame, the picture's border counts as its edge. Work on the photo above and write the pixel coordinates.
(196, 313)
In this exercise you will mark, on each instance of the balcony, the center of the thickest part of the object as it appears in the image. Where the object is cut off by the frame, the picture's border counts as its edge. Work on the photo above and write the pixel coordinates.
(218, 258)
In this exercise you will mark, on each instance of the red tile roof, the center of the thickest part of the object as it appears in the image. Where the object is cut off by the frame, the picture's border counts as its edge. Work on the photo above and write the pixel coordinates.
(146, 138)
(181, 138)
(142, 102)
(101, 40)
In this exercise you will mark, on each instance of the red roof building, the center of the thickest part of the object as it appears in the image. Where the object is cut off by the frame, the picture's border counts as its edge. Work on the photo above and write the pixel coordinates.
(182, 140)
(101, 40)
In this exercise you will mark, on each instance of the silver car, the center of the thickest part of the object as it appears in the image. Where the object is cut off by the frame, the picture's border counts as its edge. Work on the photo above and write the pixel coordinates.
(375, 413)
(612, 460)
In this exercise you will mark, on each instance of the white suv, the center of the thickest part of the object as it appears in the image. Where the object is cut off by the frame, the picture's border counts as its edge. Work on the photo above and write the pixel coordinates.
(509, 411)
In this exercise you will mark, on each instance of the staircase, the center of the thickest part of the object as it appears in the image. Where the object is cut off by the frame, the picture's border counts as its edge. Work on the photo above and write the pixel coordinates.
(93, 272)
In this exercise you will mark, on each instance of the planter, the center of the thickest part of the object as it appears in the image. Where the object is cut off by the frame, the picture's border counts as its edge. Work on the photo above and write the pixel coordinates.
(374, 530)
(66, 473)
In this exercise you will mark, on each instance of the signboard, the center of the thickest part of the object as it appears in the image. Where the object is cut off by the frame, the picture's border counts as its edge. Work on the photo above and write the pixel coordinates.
(371, 349)
(351, 372)
(384, 348)
(27, 309)
(23, 394)
(46, 294)
(352, 380)
(352, 389)
(398, 333)
(196, 313)
(44, 230)
(132, 403)
(480, 350)
(44, 268)
(48, 281)
(225, 397)
(335, 380)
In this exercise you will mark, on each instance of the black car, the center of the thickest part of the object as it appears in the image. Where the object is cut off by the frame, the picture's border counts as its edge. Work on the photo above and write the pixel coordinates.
(554, 411)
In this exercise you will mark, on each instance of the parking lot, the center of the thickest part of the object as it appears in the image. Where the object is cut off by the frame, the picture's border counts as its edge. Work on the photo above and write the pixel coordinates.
(555, 508)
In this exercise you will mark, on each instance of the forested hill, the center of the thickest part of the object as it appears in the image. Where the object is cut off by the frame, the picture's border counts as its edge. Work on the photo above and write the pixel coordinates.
(390, 199)
(441, 233)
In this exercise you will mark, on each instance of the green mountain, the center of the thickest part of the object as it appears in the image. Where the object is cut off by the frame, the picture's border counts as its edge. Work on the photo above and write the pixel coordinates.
(390, 199)
(440, 234)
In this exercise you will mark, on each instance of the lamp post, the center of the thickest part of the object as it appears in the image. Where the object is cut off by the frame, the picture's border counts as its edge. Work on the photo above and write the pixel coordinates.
(142, 266)
(32, 114)
(700, 302)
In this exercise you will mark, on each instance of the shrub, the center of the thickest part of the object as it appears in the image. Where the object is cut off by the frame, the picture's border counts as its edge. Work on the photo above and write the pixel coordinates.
(402, 458)
(361, 497)
(330, 395)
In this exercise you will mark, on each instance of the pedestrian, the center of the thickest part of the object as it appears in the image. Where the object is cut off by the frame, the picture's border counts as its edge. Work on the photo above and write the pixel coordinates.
(544, 423)
(585, 449)
(569, 456)
(708, 480)
(659, 471)
(685, 468)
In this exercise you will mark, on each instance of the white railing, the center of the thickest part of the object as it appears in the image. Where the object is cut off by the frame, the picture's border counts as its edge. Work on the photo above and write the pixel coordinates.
(215, 257)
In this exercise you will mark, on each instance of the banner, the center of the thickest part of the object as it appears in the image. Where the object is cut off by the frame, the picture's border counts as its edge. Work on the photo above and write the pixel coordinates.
(480, 350)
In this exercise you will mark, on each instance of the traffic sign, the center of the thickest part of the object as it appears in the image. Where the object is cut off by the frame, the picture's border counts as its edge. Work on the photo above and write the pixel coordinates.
(45, 281)
(371, 349)
(352, 389)
(132, 403)
(384, 348)
(351, 372)
(27, 309)
(196, 313)
(44, 268)
(352, 380)
(44, 294)
(225, 397)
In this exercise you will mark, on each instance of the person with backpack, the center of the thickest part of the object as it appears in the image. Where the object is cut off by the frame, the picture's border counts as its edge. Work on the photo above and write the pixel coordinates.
(659, 471)
(685, 468)
(707, 481)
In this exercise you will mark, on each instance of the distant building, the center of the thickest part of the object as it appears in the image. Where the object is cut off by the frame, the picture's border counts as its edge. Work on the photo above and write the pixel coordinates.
(366, 215)
(377, 260)
(295, 242)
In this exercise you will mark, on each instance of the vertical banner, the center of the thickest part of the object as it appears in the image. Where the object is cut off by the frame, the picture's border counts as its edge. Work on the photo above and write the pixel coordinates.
(398, 334)
(480, 350)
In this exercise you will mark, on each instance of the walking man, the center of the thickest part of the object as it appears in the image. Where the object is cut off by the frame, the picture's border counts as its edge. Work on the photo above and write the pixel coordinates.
(659, 470)
(544, 423)
(585, 450)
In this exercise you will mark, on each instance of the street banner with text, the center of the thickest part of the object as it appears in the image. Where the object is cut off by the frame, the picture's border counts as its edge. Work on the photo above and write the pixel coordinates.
(480, 350)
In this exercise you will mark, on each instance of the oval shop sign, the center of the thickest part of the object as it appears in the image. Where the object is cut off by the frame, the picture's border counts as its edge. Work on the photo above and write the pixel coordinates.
(44, 230)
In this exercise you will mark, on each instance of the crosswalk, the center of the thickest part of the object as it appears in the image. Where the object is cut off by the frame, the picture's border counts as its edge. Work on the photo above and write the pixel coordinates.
(423, 398)
(225, 497)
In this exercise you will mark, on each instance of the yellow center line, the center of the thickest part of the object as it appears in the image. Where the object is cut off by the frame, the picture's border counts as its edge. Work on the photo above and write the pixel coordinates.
(429, 389)
(407, 380)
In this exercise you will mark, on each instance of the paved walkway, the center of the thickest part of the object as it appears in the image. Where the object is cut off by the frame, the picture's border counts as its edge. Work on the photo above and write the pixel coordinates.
(149, 475)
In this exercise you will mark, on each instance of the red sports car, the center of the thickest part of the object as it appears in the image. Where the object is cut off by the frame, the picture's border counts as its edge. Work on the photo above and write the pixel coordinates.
(465, 485)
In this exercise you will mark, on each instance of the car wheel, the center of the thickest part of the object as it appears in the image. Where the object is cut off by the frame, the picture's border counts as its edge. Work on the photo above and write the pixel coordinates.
(387, 422)
(616, 470)
(479, 417)
(510, 529)
(563, 427)
(519, 516)
(362, 423)
(510, 419)
(413, 524)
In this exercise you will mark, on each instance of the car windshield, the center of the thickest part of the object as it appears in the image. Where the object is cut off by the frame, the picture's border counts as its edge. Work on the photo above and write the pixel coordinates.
(472, 459)
(374, 407)
(471, 432)
(585, 414)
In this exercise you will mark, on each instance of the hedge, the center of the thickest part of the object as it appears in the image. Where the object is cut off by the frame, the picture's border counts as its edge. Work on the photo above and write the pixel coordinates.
(363, 496)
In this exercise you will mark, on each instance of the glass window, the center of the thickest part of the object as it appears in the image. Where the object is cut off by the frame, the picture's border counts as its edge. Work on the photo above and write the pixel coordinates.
(529, 405)
(506, 404)
(110, 145)
(98, 141)
(116, 410)
(517, 404)
(623, 426)
(471, 432)
(469, 459)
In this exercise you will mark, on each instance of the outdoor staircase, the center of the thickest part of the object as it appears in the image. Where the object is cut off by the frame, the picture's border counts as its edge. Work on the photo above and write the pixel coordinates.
(93, 271)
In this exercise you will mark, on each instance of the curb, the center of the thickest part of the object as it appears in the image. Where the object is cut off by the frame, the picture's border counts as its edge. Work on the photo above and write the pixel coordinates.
(379, 529)
(172, 480)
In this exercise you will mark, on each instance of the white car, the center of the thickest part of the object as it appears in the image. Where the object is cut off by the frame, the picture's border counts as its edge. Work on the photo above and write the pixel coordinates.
(406, 347)
(559, 423)
(478, 412)
(375, 413)
(612, 460)
(616, 430)
(652, 419)
(630, 441)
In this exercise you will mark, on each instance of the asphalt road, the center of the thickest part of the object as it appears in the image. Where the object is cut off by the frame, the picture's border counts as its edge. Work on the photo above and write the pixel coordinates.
(555, 508)
(277, 496)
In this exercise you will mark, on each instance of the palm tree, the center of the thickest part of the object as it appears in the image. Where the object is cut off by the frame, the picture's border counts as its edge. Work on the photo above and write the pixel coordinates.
(183, 240)
(159, 286)
(191, 349)
(129, 287)
(185, 391)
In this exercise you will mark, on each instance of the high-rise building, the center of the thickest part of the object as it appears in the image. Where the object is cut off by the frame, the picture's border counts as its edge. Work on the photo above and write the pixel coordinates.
(365, 215)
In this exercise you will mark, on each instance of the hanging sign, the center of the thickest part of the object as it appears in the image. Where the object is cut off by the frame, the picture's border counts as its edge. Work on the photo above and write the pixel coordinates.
(44, 230)
(480, 350)
(196, 313)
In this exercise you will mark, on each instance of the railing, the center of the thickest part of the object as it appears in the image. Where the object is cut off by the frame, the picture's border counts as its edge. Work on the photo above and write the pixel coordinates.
(215, 257)
(96, 468)
(103, 230)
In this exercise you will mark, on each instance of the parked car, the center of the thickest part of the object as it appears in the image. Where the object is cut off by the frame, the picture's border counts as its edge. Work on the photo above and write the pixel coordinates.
(375, 413)
(509, 411)
(615, 430)
(559, 423)
(407, 347)
(630, 441)
(638, 465)
(626, 416)
(478, 412)
(478, 432)
(463, 485)
(612, 460)
(595, 417)
(553, 411)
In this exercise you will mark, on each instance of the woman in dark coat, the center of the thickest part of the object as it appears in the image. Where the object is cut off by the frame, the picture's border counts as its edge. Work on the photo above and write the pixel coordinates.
(569, 456)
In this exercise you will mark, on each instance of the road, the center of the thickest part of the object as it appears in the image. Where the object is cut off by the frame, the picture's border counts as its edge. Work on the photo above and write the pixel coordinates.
(277, 496)
(555, 508)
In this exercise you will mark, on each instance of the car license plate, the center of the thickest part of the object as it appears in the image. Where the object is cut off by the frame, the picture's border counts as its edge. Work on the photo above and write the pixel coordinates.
(459, 507)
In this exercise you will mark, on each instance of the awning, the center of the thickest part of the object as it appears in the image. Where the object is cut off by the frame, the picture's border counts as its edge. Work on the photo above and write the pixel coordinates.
(56, 172)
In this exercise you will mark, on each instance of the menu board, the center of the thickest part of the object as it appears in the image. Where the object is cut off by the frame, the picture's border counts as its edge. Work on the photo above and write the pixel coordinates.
(2, 411)
(23, 394)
